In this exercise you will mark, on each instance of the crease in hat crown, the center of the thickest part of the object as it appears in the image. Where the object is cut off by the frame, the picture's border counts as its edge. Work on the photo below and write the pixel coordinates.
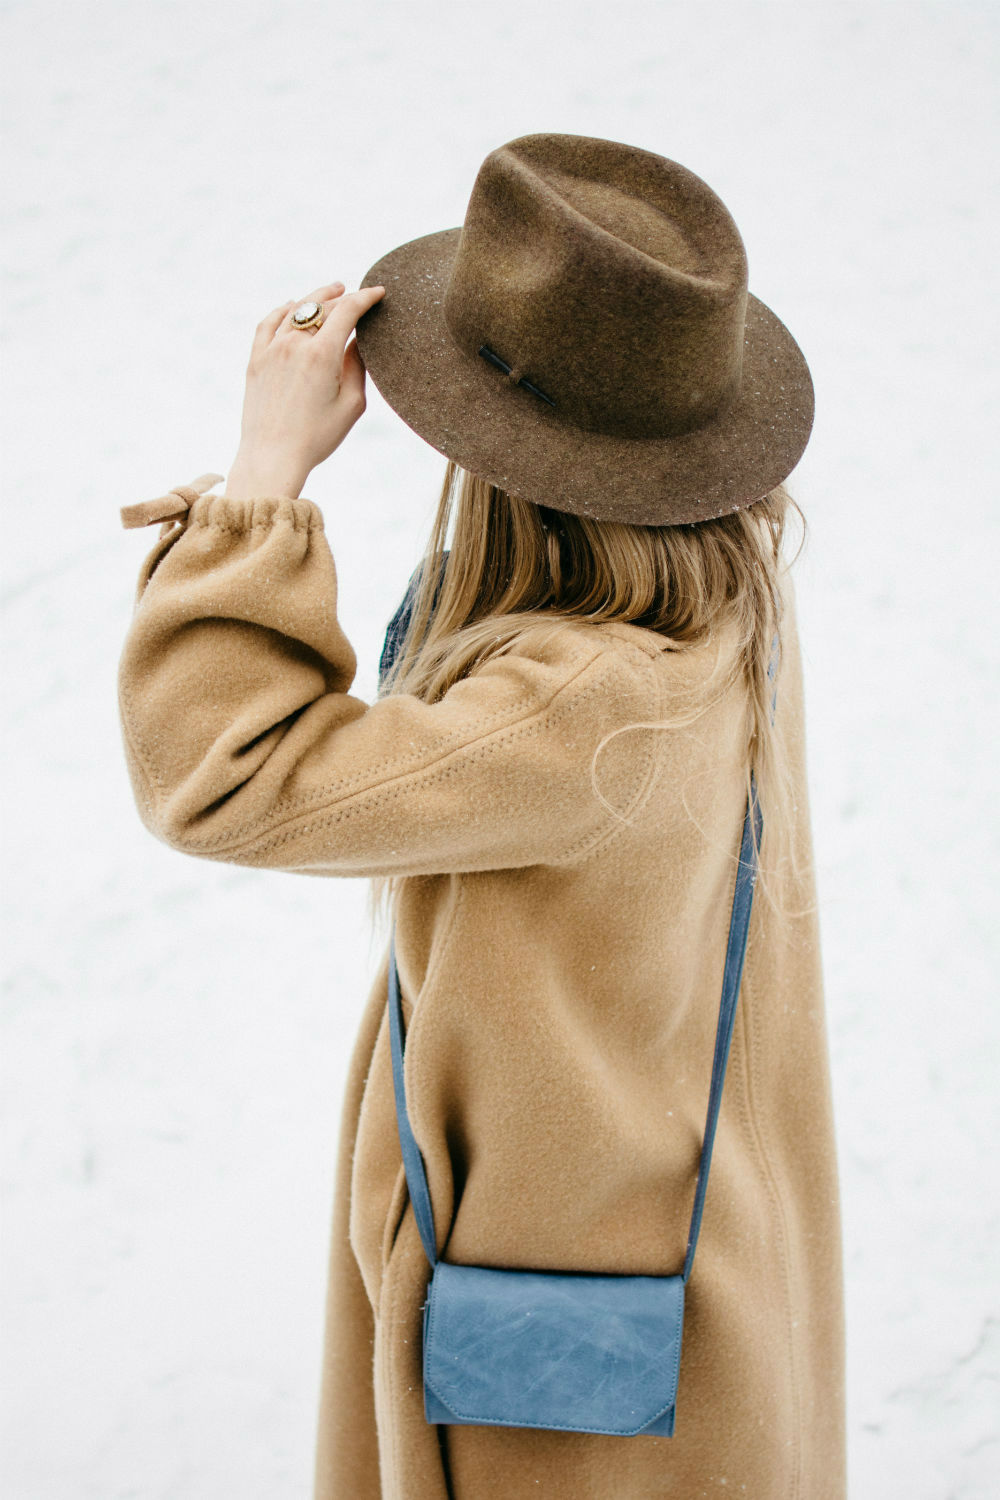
(613, 279)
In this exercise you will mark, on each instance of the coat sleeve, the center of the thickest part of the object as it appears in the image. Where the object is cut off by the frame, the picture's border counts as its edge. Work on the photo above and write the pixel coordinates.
(244, 743)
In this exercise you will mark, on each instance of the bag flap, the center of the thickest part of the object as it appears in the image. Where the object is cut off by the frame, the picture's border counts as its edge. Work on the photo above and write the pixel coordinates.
(553, 1349)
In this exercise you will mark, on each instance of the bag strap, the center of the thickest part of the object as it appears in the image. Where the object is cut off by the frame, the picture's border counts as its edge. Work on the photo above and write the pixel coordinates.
(739, 926)
(416, 1177)
(736, 946)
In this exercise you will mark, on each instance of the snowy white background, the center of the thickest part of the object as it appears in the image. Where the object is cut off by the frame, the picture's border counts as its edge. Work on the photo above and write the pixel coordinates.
(176, 1033)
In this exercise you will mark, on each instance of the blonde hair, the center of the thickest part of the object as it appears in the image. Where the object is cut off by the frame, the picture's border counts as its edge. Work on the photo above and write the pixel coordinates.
(517, 571)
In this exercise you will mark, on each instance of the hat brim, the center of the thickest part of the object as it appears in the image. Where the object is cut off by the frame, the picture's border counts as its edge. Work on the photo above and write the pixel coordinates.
(470, 412)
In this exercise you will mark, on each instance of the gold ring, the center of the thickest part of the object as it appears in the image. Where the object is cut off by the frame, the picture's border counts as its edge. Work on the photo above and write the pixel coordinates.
(308, 315)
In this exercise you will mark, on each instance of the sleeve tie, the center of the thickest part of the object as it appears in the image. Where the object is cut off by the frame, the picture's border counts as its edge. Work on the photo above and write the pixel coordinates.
(173, 506)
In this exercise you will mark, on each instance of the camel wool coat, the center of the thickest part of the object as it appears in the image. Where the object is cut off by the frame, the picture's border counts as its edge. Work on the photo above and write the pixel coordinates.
(560, 964)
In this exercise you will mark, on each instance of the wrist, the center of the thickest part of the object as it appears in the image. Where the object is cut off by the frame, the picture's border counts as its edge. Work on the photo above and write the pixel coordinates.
(264, 476)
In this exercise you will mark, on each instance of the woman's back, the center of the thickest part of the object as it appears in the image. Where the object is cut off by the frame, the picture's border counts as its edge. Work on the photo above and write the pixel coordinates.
(561, 1021)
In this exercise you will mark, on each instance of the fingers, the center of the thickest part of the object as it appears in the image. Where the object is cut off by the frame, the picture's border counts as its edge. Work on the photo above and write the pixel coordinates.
(267, 327)
(322, 294)
(336, 327)
(328, 293)
(352, 377)
(342, 313)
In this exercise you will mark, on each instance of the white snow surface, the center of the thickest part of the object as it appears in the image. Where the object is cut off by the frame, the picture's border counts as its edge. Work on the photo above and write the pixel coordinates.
(176, 1033)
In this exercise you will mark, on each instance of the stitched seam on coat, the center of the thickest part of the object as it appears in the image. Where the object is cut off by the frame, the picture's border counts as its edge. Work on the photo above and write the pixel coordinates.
(352, 783)
(751, 1049)
(486, 723)
(471, 751)
(304, 800)
(361, 780)
(301, 515)
(641, 796)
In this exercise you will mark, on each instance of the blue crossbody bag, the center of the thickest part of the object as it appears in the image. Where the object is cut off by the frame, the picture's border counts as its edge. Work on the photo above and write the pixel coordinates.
(567, 1351)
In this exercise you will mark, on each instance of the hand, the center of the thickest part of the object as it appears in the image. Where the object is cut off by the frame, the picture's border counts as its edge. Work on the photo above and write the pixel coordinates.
(305, 389)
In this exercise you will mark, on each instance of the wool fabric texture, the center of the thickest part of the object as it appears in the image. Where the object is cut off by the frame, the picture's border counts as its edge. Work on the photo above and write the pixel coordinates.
(560, 964)
(586, 339)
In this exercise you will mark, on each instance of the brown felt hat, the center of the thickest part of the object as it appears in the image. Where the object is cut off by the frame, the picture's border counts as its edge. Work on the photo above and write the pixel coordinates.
(586, 339)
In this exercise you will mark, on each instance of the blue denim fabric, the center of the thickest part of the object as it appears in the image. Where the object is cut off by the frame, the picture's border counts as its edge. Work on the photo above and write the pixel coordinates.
(564, 1351)
(400, 621)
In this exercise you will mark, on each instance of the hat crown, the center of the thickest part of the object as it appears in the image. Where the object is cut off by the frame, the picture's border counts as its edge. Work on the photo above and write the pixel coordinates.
(611, 279)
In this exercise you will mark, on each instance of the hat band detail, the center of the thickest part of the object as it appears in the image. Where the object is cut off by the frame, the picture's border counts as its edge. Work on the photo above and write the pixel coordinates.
(494, 359)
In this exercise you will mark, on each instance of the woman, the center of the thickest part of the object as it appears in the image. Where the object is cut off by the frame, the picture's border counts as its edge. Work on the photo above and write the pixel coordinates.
(549, 791)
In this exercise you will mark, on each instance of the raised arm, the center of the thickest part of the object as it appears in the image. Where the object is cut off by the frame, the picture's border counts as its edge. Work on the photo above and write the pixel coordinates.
(245, 744)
